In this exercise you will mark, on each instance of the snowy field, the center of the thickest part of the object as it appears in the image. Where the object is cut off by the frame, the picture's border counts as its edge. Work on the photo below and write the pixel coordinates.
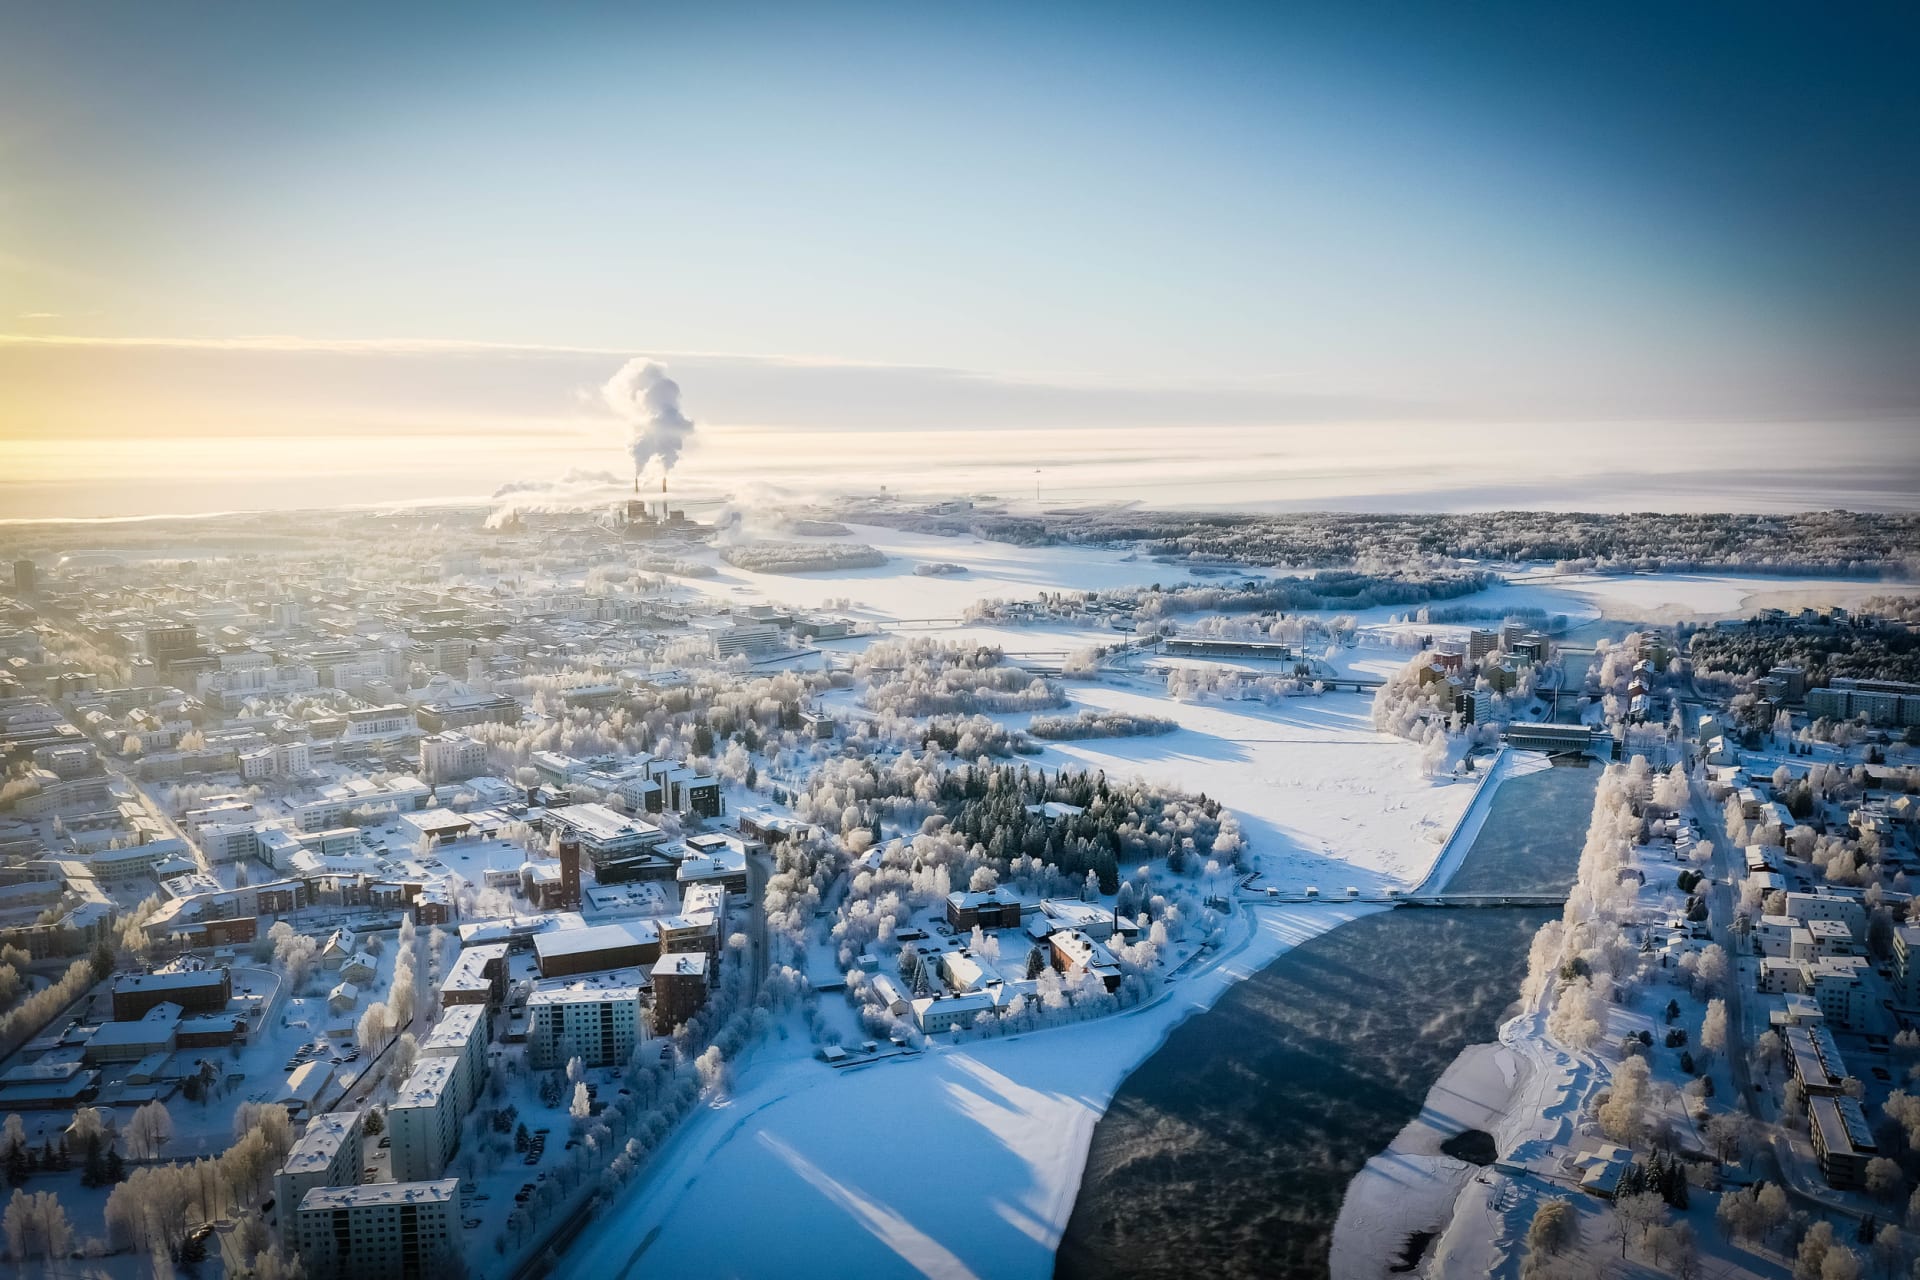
(960, 1162)
(1667, 598)
(894, 591)
(1323, 798)
(965, 1161)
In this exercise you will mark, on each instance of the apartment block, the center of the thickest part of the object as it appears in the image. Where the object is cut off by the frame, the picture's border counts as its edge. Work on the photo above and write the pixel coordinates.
(595, 1018)
(379, 1231)
(328, 1155)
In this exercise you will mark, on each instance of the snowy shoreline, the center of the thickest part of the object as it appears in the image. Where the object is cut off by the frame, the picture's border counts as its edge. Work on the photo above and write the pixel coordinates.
(794, 1129)
(1039, 1094)
(1412, 1186)
(1509, 764)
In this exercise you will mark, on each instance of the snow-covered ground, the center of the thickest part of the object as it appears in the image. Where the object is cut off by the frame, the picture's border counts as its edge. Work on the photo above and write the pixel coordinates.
(960, 1162)
(894, 591)
(1411, 1187)
(1682, 597)
(1324, 799)
(966, 1160)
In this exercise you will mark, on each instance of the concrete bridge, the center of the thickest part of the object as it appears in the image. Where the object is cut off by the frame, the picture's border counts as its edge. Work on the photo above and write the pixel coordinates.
(1453, 901)
(1485, 900)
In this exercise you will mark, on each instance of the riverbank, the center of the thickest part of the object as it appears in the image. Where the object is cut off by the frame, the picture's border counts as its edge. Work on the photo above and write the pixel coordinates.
(1523, 1090)
(1541, 1115)
(1460, 841)
(1516, 1088)
(964, 1161)
(1408, 1192)
(1229, 1152)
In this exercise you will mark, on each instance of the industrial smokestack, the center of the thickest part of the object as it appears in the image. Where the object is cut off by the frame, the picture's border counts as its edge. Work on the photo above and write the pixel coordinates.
(648, 401)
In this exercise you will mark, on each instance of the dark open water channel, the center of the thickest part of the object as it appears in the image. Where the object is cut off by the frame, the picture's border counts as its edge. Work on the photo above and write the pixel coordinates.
(1228, 1151)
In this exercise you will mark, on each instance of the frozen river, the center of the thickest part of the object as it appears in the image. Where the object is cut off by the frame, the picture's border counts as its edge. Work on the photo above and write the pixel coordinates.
(1228, 1151)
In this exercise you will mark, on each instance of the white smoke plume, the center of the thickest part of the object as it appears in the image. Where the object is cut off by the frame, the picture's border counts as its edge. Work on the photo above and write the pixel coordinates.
(649, 402)
(577, 478)
(576, 490)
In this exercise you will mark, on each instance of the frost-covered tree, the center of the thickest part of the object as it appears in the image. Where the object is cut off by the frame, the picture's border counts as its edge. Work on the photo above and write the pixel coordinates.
(1713, 1027)
(1555, 1229)
(149, 1131)
(36, 1227)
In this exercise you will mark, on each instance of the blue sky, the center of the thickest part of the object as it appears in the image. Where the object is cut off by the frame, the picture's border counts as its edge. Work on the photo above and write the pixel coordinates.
(1208, 214)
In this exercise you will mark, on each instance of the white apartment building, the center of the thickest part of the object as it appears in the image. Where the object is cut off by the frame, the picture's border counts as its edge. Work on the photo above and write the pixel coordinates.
(135, 860)
(291, 759)
(1851, 912)
(235, 842)
(424, 1119)
(1838, 985)
(1906, 966)
(461, 1037)
(373, 724)
(327, 1155)
(256, 766)
(451, 757)
(281, 760)
(379, 1231)
(1783, 937)
(1832, 938)
(337, 801)
(595, 1018)
(276, 846)
(730, 636)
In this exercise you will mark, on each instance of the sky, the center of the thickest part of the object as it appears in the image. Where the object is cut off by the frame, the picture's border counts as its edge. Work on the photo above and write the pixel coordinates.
(403, 246)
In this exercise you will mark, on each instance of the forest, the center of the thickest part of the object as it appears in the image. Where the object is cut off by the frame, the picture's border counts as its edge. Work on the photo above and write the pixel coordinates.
(1852, 544)
(1880, 652)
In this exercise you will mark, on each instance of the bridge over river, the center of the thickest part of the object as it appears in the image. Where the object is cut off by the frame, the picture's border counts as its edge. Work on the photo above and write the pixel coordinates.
(1485, 900)
(1453, 901)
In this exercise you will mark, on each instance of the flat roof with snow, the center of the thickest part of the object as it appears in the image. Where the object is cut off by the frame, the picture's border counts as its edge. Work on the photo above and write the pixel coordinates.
(681, 962)
(598, 823)
(455, 1030)
(615, 984)
(430, 1078)
(321, 1142)
(637, 897)
(190, 979)
(599, 937)
(373, 1194)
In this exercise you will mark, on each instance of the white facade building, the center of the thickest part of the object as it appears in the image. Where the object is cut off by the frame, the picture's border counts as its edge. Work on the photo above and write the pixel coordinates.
(461, 1037)
(451, 757)
(595, 1018)
(327, 1155)
(1851, 912)
(379, 1231)
(424, 1119)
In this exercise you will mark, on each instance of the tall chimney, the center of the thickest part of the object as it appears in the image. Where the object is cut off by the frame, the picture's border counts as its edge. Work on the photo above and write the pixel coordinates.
(570, 872)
